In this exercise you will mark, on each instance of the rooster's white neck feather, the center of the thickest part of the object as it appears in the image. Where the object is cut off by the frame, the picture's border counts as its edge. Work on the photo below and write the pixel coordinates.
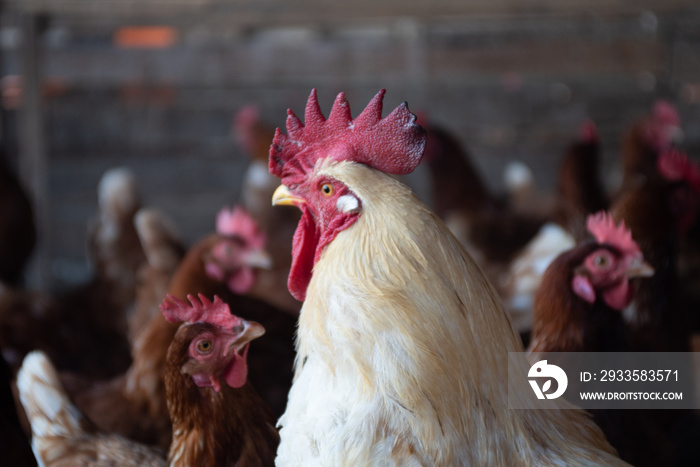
(402, 345)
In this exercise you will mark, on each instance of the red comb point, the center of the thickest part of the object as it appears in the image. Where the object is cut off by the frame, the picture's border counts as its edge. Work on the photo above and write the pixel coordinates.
(602, 226)
(237, 222)
(588, 132)
(393, 144)
(199, 309)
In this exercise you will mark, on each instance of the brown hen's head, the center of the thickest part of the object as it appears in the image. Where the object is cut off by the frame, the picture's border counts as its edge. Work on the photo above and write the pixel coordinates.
(662, 126)
(218, 340)
(243, 126)
(252, 133)
(393, 145)
(606, 272)
(675, 167)
(588, 133)
(240, 250)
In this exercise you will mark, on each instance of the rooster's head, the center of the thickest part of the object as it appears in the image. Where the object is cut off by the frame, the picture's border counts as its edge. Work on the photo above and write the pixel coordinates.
(392, 145)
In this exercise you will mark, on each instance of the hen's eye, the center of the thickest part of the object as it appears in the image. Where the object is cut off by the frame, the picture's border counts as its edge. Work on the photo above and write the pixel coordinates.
(600, 260)
(205, 346)
(327, 189)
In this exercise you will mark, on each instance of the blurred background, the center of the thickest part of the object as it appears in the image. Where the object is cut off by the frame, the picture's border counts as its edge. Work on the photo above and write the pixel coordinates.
(154, 85)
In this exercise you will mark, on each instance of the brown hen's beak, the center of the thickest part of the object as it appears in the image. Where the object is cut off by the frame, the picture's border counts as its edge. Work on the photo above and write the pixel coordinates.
(258, 259)
(283, 197)
(639, 268)
(251, 330)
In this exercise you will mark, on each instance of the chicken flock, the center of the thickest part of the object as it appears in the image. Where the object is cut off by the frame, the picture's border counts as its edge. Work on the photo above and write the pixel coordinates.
(332, 318)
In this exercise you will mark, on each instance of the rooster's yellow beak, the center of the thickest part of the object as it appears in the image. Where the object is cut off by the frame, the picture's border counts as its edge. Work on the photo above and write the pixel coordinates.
(282, 197)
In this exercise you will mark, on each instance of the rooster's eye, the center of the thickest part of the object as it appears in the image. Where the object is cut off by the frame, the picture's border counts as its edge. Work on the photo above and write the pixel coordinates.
(600, 261)
(205, 346)
(327, 189)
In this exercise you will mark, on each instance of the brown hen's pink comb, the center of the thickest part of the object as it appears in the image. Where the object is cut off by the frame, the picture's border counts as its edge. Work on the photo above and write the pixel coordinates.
(674, 166)
(393, 144)
(238, 223)
(602, 226)
(217, 312)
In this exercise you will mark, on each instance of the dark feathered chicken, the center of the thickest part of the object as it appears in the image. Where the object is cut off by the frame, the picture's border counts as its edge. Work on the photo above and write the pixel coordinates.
(578, 308)
(17, 229)
(218, 419)
(481, 222)
(253, 135)
(645, 140)
(14, 444)
(658, 211)
(580, 188)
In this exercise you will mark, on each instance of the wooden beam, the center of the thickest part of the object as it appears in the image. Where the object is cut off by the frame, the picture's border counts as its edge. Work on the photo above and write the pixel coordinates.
(270, 13)
(33, 161)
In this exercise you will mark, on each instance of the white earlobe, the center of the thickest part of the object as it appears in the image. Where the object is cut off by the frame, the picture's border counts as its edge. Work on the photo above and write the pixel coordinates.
(347, 203)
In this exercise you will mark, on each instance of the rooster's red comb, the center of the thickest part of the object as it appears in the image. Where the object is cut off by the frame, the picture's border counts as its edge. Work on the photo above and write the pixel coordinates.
(237, 222)
(393, 144)
(602, 226)
(199, 310)
(674, 166)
